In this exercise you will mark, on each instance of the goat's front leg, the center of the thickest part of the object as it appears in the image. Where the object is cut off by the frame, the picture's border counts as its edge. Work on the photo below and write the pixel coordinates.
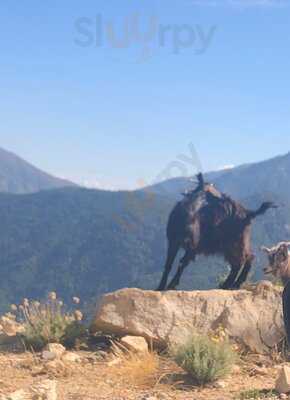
(172, 253)
(231, 278)
(183, 264)
(244, 274)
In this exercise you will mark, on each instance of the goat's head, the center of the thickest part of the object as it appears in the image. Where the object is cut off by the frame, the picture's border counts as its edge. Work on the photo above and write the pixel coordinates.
(203, 186)
(278, 257)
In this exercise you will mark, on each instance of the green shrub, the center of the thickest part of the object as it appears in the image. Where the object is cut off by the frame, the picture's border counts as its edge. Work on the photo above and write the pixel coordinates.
(49, 322)
(204, 359)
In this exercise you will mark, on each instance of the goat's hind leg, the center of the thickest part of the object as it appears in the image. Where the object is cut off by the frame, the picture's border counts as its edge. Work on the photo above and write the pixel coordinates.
(173, 248)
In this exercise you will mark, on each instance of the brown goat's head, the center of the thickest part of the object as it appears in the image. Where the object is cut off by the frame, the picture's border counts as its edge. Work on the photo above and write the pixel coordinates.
(278, 257)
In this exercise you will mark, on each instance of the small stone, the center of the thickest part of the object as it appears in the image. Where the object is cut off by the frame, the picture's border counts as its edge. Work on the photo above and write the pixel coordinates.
(148, 397)
(283, 396)
(18, 395)
(220, 385)
(162, 396)
(71, 357)
(54, 366)
(56, 348)
(48, 355)
(262, 371)
(114, 362)
(236, 369)
(283, 381)
(101, 355)
(136, 344)
(45, 390)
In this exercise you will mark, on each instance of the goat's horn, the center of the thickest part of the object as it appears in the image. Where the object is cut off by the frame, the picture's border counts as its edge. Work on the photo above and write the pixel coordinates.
(200, 178)
(284, 244)
(266, 249)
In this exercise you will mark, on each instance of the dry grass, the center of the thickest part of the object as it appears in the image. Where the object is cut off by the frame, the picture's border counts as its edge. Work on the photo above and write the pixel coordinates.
(89, 380)
(137, 370)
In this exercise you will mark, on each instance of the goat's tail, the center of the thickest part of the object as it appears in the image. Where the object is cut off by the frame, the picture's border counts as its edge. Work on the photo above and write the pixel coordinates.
(262, 210)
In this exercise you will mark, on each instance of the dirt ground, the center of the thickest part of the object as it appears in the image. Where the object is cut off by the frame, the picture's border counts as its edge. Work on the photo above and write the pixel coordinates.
(92, 379)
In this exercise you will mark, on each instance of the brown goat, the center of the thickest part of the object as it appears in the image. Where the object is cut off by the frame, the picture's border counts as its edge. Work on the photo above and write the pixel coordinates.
(279, 261)
(279, 266)
(209, 222)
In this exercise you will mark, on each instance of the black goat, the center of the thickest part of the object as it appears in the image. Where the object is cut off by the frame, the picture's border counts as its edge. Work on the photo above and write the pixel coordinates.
(209, 222)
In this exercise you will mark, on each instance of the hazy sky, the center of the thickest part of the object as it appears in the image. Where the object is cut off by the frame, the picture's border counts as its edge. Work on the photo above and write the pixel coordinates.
(112, 92)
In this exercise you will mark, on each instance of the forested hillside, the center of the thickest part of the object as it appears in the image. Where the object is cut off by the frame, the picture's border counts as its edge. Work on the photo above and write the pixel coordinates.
(79, 242)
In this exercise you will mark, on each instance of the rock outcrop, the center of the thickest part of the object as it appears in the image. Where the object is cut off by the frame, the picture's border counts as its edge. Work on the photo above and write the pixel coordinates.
(252, 317)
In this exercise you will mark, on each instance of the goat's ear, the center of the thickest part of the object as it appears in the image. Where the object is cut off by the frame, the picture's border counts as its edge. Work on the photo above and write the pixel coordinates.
(266, 249)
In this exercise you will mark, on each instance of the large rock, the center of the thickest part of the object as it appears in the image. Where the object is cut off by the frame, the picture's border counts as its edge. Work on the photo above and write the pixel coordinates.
(253, 316)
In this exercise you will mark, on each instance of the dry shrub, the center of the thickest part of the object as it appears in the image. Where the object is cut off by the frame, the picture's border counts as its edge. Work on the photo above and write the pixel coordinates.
(137, 369)
(48, 322)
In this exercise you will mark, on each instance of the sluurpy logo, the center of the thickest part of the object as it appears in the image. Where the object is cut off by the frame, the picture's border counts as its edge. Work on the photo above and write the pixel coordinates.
(147, 33)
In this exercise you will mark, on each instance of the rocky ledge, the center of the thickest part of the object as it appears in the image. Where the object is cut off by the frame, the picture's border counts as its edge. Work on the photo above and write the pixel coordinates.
(252, 317)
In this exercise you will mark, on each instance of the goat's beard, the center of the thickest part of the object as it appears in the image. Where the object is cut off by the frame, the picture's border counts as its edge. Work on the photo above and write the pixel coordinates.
(282, 272)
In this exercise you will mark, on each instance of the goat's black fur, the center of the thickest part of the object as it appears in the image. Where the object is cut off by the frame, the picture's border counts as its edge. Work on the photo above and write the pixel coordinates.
(208, 222)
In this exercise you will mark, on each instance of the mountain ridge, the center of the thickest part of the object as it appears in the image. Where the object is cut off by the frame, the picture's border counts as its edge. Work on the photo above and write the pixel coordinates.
(19, 176)
(253, 175)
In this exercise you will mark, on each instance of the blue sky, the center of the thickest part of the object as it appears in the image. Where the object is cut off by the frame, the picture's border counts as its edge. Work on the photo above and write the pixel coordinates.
(119, 116)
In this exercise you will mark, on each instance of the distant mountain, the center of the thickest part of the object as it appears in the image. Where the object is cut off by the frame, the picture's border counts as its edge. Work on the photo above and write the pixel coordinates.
(270, 177)
(18, 176)
(88, 242)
